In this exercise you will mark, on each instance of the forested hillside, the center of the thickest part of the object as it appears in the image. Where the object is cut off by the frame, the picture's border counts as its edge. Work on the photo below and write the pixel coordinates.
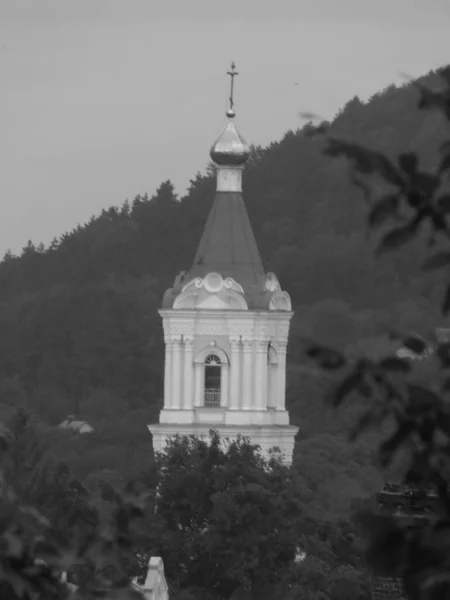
(80, 331)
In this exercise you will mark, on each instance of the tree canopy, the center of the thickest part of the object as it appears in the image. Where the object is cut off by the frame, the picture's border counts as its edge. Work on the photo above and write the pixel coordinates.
(230, 519)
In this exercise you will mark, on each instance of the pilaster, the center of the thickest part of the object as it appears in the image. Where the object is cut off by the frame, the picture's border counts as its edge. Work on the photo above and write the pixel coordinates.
(235, 373)
(176, 373)
(188, 380)
(281, 348)
(260, 383)
(272, 387)
(168, 373)
(247, 373)
(224, 384)
(199, 387)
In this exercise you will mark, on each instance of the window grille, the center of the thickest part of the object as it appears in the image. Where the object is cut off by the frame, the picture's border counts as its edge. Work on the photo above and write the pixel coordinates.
(213, 372)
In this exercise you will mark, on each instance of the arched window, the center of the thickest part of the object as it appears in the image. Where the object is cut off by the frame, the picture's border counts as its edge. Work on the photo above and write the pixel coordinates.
(213, 372)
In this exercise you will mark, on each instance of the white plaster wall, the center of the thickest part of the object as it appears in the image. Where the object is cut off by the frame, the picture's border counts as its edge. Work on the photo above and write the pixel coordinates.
(203, 341)
(221, 326)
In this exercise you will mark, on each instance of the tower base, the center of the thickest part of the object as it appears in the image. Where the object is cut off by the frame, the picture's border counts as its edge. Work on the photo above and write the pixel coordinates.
(282, 436)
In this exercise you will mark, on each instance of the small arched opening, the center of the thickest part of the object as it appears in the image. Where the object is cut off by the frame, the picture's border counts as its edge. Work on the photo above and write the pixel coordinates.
(272, 357)
(213, 377)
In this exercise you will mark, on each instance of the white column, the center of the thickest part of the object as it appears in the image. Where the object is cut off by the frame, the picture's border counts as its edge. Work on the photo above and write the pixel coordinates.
(247, 374)
(235, 374)
(224, 385)
(168, 374)
(199, 384)
(188, 380)
(261, 375)
(176, 374)
(281, 376)
(272, 386)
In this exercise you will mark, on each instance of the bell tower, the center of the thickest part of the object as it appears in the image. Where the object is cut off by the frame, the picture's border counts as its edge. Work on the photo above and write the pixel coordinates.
(226, 325)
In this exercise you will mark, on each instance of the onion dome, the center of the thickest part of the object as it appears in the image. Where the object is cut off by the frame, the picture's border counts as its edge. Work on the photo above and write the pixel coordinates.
(230, 148)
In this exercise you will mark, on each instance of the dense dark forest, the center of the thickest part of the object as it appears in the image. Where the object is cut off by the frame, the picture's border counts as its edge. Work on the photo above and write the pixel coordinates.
(81, 335)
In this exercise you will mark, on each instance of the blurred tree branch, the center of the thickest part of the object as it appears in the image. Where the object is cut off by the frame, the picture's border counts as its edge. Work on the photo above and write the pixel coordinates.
(416, 416)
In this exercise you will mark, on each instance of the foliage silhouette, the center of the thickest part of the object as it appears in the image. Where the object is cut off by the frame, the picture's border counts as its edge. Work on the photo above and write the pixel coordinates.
(417, 416)
(50, 526)
(233, 517)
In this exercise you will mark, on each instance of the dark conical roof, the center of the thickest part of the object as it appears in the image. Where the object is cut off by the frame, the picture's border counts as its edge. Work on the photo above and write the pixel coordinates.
(228, 245)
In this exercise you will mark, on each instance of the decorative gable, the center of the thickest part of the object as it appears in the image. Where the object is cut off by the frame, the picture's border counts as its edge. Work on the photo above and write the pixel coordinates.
(279, 300)
(212, 292)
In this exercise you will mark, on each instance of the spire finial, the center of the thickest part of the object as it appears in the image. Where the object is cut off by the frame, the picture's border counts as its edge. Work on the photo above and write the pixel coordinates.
(230, 150)
(232, 74)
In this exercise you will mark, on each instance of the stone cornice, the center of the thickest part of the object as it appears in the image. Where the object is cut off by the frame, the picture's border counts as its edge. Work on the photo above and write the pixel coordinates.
(255, 326)
(213, 315)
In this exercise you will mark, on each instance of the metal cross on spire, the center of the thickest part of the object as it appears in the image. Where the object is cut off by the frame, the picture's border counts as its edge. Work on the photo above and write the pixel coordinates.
(232, 75)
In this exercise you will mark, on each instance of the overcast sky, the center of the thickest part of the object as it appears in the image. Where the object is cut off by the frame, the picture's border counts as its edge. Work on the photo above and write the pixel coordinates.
(105, 99)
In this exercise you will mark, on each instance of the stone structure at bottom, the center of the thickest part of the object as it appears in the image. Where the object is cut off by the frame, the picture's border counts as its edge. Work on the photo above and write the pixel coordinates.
(155, 586)
(387, 588)
(226, 326)
(414, 507)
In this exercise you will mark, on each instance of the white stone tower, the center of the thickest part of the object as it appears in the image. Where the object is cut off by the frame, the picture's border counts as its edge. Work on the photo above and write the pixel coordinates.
(226, 325)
